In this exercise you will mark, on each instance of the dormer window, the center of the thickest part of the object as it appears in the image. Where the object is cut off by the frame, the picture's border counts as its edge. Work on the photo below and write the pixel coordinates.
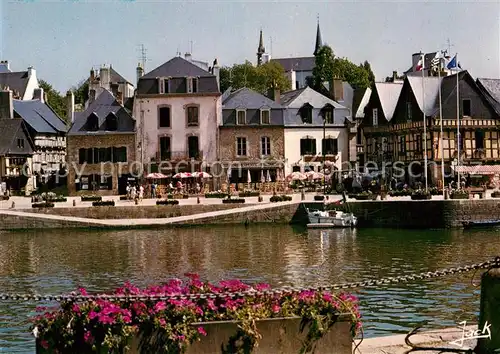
(93, 122)
(111, 122)
(192, 84)
(241, 117)
(327, 113)
(163, 85)
(265, 116)
(306, 113)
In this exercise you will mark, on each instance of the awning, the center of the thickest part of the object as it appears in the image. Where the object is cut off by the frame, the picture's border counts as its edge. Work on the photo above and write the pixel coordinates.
(478, 169)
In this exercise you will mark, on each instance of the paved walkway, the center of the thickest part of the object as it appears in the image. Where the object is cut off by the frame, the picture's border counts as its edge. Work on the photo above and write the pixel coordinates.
(428, 339)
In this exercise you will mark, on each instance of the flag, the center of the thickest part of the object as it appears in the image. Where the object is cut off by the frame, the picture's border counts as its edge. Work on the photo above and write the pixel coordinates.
(420, 64)
(453, 64)
(435, 61)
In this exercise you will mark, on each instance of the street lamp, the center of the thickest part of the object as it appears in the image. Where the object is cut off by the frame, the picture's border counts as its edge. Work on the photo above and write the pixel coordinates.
(323, 150)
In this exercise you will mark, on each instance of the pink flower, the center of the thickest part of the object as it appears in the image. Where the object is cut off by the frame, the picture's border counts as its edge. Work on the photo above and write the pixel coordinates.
(327, 297)
(160, 306)
(276, 308)
(162, 322)
(202, 331)
(199, 311)
(181, 338)
(262, 287)
(105, 319)
(44, 344)
(82, 291)
(40, 308)
(92, 315)
(75, 308)
(88, 337)
(193, 276)
(126, 319)
(211, 305)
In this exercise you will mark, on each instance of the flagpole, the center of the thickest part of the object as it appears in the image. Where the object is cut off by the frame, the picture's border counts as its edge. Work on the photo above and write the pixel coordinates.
(441, 148)
(425, 123)
(458, 123)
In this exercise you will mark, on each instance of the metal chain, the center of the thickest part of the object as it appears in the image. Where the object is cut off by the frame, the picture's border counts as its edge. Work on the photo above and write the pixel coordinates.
(252, 292)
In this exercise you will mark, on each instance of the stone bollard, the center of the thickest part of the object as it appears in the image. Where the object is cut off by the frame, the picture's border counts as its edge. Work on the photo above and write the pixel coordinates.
(136, 201)
(446, 194)
(302, 195)
(197, 200)
(489, 312)
(74, 202)
(260, 199)
(13, 205)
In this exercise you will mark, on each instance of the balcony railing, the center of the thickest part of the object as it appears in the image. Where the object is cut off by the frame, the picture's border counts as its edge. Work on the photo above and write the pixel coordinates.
(178, 156)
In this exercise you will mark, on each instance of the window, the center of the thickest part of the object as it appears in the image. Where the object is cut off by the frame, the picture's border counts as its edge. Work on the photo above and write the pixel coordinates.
(93, 122)
(241, 117)
(328, 115)
(265, 116)
(479, 135)
(119, 154)
(163, 85)
(265, 146)
(306, 114)
(164, 117)
(466, 108)
(330, 146)
(106, 182)
(307, 146)
(241, 146)
(402, 145)
(192, 84)
(165, 148)
(20, 143)
(111, 122)
(408, 111)
(192, 116)
(375, 117)
(193, 147)
(82, 157)
(89, 155)
(418, 143)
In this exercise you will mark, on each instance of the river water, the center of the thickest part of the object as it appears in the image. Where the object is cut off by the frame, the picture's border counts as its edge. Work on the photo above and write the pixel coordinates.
(58, 262)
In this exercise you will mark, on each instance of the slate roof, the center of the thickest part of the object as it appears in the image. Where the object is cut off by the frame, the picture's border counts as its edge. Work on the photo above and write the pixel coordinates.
(16, 81)
(429, 98)
(104, 104)
(249, 99)
(4, 68)
(297, 64)
(39, 116)
(388, 93)
(116, 77)
(491, 89)
(10, 129)
(297, 98)
(360, 100)
(177, 67)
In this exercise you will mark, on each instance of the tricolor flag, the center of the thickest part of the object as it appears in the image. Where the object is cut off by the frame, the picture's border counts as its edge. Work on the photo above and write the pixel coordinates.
(420, 64)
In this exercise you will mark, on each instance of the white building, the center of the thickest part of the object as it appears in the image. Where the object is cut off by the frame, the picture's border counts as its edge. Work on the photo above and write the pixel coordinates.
(306, 112)
(178, 111)
(21, 83)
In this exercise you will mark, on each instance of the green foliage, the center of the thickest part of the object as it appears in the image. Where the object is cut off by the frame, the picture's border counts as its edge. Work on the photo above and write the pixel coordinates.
(54, 99)
(259, 78)
(328, 67)
(81, 92)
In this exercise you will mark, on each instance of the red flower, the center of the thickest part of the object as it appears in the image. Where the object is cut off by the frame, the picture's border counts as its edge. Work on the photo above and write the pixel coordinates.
(202, 331)
(44, 344)
(160, 306)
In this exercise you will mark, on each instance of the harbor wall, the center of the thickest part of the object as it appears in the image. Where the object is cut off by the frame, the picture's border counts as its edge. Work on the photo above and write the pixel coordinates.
(423, 213)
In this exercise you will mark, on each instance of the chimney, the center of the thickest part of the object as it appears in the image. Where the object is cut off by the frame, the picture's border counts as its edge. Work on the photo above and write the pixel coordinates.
(92, 75)
(216, 72)
(119, 98)
(6, 63)
(394, 76)
(187, 56)
(104, 77)
(139, 71)
(6, 104)
(337, 90)
(70, 107)
(274, 93)
(91, 96)
(31, 71)
(38, 94)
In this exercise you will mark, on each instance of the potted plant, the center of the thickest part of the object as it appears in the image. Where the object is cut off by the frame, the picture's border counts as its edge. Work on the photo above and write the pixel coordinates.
(495, 194)
(365, 195)
(459, 194)
(421, 194)
(170, 323)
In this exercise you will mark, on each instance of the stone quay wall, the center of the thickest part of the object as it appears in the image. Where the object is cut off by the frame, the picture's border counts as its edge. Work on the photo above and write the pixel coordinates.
(423, 213)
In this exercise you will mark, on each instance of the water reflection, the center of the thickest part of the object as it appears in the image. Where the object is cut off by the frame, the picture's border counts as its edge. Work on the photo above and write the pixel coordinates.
(48, 262)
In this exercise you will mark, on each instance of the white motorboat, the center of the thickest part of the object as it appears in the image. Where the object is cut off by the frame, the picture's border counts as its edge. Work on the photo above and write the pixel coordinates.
(330, 218)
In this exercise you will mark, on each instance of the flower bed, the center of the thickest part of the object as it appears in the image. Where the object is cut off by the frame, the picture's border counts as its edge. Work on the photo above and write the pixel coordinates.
(319, 197)
(167, 202)
(217, 194)
(123, 197)
(91, 198)
(173, 325)
(280, 198)
(104, 203)
(248, 194)
(233, 200)
(177, 196)
(365, 196)
(42, 205)
(420, 194)
(495, 194)
(459, 194)
(48, 197)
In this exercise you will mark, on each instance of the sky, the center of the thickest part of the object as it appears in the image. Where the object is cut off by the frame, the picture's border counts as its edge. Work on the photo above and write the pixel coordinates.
(64, 39)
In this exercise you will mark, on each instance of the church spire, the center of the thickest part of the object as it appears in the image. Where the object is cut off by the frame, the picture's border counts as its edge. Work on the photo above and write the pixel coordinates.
(319, 42)
(261, 50)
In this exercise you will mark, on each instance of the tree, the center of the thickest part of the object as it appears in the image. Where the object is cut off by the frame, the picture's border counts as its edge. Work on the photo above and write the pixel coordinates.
(259, 78)
(54, 99)
(327, 67)
(81, 92)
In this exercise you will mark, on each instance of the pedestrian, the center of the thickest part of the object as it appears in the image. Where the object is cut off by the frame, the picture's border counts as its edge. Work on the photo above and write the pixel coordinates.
(128, 191)
(153, 190)
(198, 188)
(141, 193)
(179, 187)
(132, 192)
(170, 187)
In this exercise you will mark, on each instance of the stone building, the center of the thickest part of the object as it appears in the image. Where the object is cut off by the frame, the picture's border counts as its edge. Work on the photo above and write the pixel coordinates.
(107, 78)
(101, 147)
(252, 136)
(178, 108)
(316, 125)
